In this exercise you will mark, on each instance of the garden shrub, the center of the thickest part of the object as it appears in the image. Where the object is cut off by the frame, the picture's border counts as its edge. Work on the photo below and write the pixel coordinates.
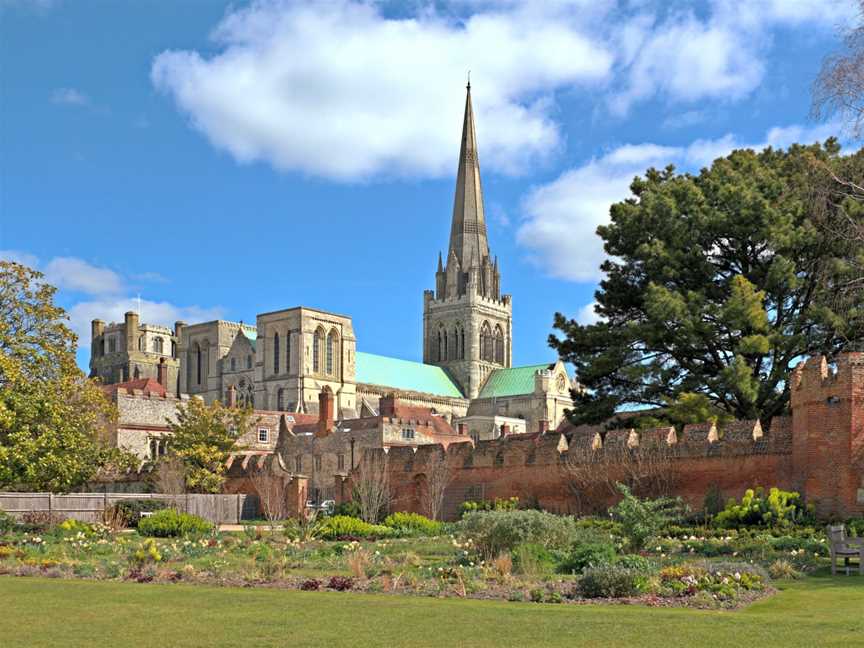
(635, 562)
(169, 523)
(584, 555)
(146, 553)
(778, 508)
(642, 519)
(609, 581)
(498, 504)
(131, 509)
(725, 581)
(412, 523)
(532, 559)
(494, 532)
(310, 585)
(7, 522)
(342, 526)
(855, 527)
(349, 509)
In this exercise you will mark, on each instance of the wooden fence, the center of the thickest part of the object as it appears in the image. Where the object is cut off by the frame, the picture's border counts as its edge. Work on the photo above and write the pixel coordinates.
(88, 507)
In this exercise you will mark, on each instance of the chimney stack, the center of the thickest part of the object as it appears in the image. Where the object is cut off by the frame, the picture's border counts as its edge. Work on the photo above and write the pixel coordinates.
(543, 426)
(387, 405)
(325, 412)
(162, 373)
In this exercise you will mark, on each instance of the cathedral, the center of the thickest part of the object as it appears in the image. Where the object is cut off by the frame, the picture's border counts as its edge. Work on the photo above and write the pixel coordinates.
(290, 357)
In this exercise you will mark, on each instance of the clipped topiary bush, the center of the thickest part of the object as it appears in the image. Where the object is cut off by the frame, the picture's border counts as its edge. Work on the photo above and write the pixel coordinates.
(412, 523)
(171, 523)
(342, 526)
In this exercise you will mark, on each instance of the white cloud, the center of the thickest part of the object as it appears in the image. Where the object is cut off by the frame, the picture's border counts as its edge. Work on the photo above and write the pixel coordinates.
(70, 97)
(105, 290)
(17, 256)
(685, 58)
(338, 90)
(112, 310)
(561, 218)
(587, 314)
(342, 91)
(71, 273)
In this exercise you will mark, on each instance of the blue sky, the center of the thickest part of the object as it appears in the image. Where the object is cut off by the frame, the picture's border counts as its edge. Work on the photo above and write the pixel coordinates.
(225, 159)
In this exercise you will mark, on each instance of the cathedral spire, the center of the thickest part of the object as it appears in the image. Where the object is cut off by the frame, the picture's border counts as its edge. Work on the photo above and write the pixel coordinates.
(468, 231)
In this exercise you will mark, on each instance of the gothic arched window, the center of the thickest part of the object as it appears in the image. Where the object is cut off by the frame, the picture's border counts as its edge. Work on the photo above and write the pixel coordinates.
(439, 350)
(454, 344)
(445, 348)
(158, 345)
(486, 343)
(331, 352)
(280, 399)
(499, 345)
(276, 353)
(198, 361)
(288, 352)
(317, 340)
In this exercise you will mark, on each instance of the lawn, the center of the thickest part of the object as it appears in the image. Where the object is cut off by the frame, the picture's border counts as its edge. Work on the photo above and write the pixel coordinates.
(815, 611)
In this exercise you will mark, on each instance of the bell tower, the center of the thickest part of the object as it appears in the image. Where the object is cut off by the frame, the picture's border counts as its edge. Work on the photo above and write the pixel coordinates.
(467, 323)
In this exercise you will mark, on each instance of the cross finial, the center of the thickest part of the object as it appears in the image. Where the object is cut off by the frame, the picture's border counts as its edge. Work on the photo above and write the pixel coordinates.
(469, 80)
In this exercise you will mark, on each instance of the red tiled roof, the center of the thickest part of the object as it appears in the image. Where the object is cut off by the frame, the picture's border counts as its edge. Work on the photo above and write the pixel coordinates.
(147, 385)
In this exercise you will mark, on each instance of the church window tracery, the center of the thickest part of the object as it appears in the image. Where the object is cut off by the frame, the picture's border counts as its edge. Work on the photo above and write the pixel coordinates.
(499, 345)
(331, 352)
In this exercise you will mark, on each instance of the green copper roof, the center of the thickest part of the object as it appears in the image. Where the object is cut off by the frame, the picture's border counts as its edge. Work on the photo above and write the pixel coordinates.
(511, 382)
(404, 374)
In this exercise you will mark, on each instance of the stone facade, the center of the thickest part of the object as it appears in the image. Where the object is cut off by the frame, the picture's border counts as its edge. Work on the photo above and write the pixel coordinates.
(327, 450)
(131, 351)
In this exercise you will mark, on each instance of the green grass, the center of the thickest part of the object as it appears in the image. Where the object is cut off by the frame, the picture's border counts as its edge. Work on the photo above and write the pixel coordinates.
(818, 611)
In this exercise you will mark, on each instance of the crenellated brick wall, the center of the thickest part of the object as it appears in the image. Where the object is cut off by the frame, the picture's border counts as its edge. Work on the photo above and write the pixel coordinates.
(818, 451)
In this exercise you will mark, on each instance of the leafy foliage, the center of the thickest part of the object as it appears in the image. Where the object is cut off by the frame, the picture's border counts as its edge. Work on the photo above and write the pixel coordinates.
(498, 504)
(341, 526)
(203, 438)
(609, 581)
(53, 420)
(494, 532)
(642, 519)
(412, 523)
(171, 523)
(777, 508)
(131, 509)
(585, 555)
(717, 283)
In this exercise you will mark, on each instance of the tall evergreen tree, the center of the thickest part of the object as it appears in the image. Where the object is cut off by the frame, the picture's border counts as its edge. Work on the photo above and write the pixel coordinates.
(717, 283)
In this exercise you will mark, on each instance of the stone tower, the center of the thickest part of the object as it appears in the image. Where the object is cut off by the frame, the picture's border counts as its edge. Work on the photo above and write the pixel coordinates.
(467, 323)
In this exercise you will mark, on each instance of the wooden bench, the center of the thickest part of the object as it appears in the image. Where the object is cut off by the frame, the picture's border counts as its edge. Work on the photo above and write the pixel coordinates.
(845, 548)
